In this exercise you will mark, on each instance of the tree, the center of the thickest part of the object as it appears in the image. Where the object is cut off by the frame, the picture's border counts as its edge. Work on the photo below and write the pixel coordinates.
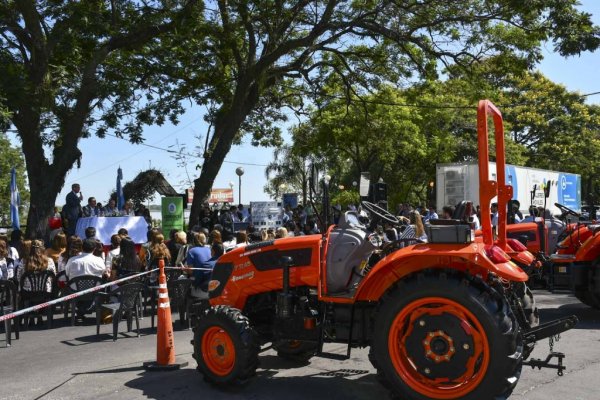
(71, 69)
(257, 57)
(10, 157)
(291, 169)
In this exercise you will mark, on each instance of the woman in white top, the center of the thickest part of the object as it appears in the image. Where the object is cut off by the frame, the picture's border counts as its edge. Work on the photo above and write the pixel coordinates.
(6, 264)
(36, 261)
(415, 230)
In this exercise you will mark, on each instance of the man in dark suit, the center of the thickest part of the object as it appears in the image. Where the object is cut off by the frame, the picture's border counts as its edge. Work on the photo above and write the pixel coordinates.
(72, 209)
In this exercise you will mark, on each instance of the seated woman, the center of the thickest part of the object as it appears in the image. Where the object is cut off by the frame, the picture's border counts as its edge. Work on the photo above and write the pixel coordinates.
(35, 261)
(415, 229)
(199, 289)
(127, 262)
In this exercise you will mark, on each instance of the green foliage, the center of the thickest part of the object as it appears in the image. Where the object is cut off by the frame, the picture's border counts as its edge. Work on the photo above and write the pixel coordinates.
(11, 157)
(345, 198)
(72, 69)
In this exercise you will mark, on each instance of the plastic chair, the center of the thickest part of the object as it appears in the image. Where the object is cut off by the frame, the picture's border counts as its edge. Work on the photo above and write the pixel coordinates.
(151, 291)
(80, 283)
(37, 288)
(61, 285)
(8, 304)
(179, 298)
(126, 306)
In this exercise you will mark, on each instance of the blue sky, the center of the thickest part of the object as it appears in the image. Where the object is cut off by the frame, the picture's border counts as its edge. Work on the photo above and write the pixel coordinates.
(102, 157)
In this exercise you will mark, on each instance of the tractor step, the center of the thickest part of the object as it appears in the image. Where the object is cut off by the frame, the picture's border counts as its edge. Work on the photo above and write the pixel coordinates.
(549, 329)
(333, 356)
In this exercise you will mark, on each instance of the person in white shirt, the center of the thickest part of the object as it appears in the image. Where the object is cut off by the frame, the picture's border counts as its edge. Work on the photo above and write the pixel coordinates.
(494, 210)
(86, 263)
(115, 250)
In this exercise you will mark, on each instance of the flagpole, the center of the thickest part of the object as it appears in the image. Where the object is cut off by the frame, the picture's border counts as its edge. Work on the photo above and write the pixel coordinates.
(15, 200)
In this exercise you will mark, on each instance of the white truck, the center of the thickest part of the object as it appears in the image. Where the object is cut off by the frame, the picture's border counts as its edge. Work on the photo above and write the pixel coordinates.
(460, 181)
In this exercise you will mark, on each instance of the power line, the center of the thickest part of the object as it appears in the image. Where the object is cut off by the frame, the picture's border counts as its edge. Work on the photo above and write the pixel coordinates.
(189, 154)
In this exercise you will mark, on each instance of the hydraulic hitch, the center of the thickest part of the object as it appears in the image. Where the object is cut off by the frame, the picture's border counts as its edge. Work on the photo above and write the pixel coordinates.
(539, 363)
(550, 330)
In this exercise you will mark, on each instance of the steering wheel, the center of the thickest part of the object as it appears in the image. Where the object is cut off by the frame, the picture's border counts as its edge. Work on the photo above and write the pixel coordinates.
(380, 212)
(566, 210)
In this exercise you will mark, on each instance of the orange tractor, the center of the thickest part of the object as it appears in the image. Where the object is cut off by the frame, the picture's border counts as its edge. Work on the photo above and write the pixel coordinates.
(569, 253)
(445, 319)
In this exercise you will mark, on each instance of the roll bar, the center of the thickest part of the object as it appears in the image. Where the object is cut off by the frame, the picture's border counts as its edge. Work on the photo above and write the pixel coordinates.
(488, 189)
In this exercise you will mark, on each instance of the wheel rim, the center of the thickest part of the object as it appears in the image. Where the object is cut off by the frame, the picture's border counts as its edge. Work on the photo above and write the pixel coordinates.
(218, 351)
(439, 348)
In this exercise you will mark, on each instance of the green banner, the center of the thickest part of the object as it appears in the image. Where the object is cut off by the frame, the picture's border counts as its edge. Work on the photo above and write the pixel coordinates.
(172, 214)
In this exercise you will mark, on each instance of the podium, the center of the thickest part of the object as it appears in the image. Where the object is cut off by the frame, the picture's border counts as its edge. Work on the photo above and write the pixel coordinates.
(108, 226)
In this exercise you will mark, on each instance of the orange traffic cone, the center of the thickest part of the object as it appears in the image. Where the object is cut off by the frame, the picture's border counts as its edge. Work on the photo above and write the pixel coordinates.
(165, 344)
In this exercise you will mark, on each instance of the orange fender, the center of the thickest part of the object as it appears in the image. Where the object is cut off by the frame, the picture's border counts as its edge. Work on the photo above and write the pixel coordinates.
(468, 258)
(589, 250)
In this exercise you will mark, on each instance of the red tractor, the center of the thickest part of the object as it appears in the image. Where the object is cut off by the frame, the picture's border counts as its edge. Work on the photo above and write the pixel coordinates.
(568, 250)
(447, 319)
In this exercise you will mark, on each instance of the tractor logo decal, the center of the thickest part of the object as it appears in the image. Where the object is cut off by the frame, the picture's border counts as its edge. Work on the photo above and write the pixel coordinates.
(248, 275)
(242, 266)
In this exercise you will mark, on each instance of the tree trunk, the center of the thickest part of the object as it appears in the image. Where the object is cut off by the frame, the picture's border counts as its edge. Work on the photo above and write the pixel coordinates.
(45, 180)
(226, 127)
(43, 196)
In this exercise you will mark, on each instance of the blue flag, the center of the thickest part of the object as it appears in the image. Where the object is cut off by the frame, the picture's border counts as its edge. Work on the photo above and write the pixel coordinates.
(120, 195)
(15, 200)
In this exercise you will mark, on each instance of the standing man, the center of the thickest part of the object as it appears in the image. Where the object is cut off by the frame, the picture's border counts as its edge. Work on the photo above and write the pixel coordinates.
(72, 208)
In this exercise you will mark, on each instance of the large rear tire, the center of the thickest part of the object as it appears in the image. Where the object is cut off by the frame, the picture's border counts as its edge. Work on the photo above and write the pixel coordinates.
(225, 346)
(439, 335)
(588, 294)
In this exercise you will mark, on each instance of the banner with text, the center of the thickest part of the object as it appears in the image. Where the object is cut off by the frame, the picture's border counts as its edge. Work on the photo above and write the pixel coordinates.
(216, 196)
(172, 213)
(265, 214)
(221, 196)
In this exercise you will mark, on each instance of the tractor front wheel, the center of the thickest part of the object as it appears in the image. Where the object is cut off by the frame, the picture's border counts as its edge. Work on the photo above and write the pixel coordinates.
(225, 346)
(442, 336)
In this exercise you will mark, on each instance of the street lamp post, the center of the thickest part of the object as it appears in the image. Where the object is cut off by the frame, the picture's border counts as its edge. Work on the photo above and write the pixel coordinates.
(240, 171)
(282, 188)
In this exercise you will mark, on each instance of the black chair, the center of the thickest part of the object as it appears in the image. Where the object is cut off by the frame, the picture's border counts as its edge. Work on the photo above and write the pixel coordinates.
(77, 284)
(61, 289)
(179, 298)
(37, 287)
(8, 304)
(151, 292)
(127, 296)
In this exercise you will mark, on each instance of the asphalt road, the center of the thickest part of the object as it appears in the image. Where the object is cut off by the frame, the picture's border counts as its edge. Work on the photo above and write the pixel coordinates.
(71, 363)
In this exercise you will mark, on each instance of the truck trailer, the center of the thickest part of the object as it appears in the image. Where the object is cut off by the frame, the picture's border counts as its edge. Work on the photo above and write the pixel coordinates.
(460, 181)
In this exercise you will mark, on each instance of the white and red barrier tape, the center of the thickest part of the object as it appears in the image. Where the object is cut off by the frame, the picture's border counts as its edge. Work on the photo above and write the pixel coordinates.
(70, 296)
(86, 291)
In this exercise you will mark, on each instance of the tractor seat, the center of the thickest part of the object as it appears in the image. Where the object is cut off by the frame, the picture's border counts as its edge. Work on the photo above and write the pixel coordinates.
(595, 228)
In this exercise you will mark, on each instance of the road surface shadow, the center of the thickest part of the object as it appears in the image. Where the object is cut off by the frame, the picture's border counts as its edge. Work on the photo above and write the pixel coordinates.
(106, 336)
(334, 384)
(589, 318)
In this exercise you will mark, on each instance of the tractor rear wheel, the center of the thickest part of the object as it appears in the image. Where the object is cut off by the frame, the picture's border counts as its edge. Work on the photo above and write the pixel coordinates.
(588, 294)
(225, 346)
(439, 335)
(530, 315)
(588, 298)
